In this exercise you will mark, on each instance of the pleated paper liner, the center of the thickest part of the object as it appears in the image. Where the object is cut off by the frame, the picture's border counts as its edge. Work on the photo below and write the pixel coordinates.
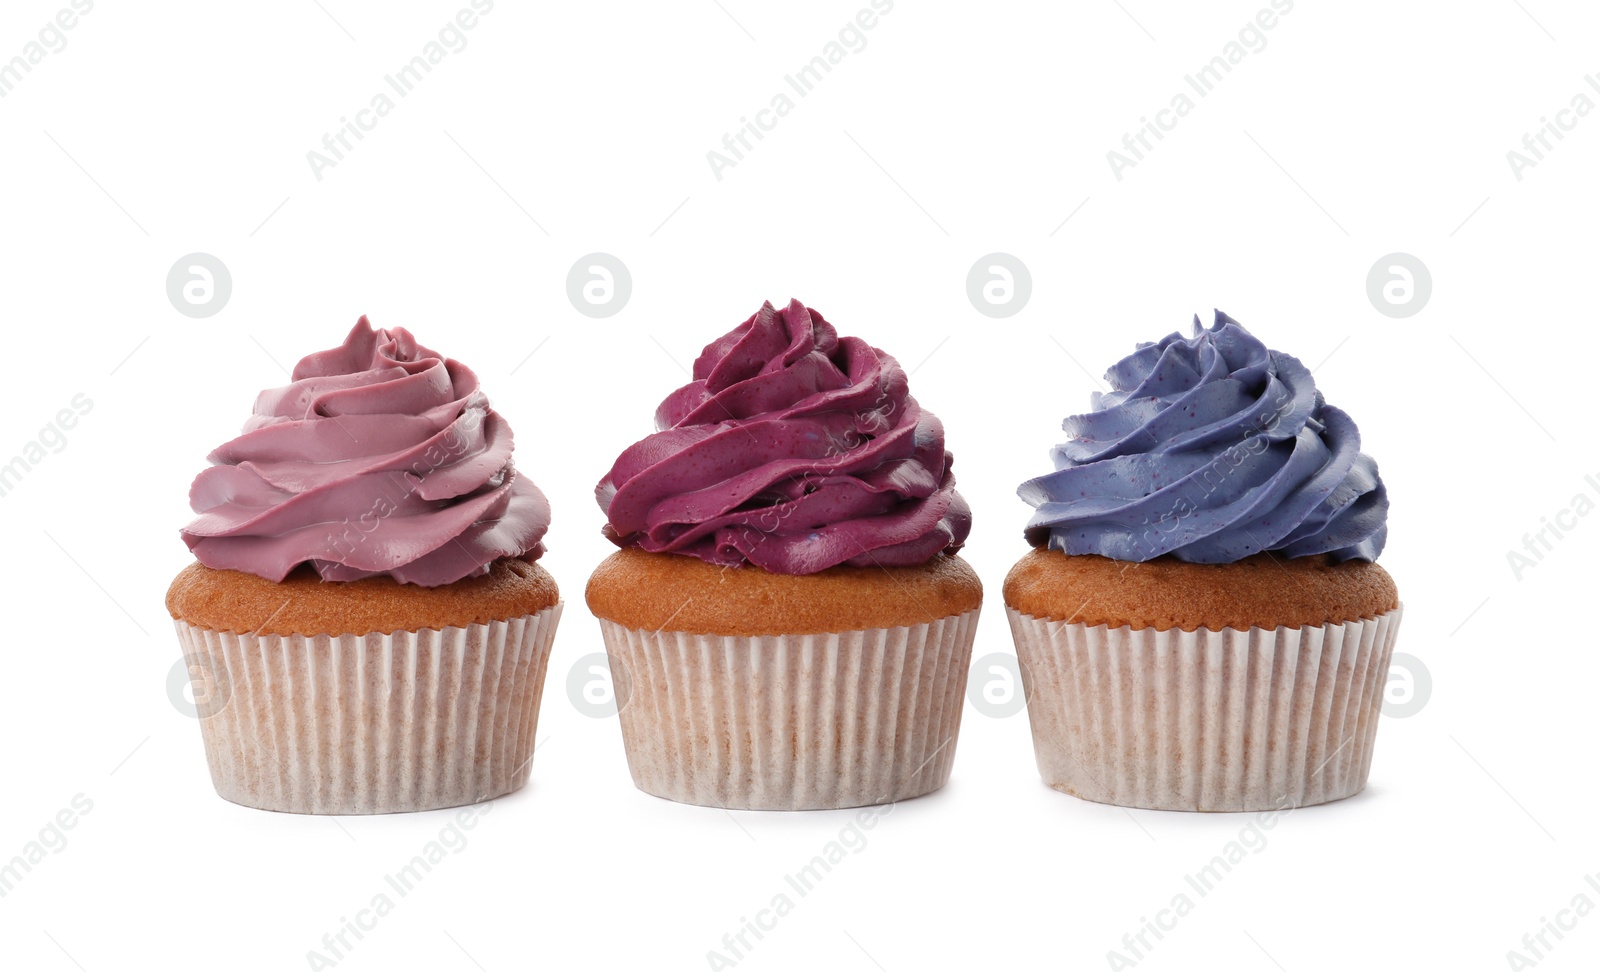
(1262, 719)
(377, 723)
(792, 722)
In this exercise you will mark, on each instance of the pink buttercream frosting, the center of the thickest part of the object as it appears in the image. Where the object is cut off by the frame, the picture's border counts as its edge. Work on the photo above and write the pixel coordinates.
(379, 457)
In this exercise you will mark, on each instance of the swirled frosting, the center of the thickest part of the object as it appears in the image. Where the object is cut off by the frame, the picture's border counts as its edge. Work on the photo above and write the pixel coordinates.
(793, 449)
(1210, 448)
(379, 457)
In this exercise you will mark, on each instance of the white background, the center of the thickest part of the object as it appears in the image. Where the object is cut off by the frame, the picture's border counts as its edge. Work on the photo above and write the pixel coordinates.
(1361, 129)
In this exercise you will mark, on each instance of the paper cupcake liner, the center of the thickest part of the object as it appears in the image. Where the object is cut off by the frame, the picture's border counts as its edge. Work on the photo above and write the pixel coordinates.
(1268, 718)
(376, 723)
(792, 722)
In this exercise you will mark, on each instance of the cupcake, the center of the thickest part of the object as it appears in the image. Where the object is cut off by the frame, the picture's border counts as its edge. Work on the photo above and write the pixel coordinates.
(364, 618)
(1202, 624)
(787, 615)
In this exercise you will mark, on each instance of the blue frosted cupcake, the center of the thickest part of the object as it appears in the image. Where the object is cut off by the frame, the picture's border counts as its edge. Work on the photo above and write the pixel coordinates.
(1202, 624)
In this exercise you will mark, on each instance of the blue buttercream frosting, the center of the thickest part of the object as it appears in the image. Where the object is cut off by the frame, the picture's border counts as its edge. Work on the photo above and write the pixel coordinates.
(1210, 449)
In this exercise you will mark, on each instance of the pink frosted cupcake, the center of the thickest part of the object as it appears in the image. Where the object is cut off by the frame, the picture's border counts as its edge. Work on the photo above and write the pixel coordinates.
(365, 619)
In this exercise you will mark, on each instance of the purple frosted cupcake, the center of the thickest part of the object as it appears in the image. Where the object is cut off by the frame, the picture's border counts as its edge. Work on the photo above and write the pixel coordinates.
(788, 617)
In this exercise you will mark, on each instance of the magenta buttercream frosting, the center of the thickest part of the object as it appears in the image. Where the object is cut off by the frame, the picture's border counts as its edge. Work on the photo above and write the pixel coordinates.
(793, 449)
(380, 457)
